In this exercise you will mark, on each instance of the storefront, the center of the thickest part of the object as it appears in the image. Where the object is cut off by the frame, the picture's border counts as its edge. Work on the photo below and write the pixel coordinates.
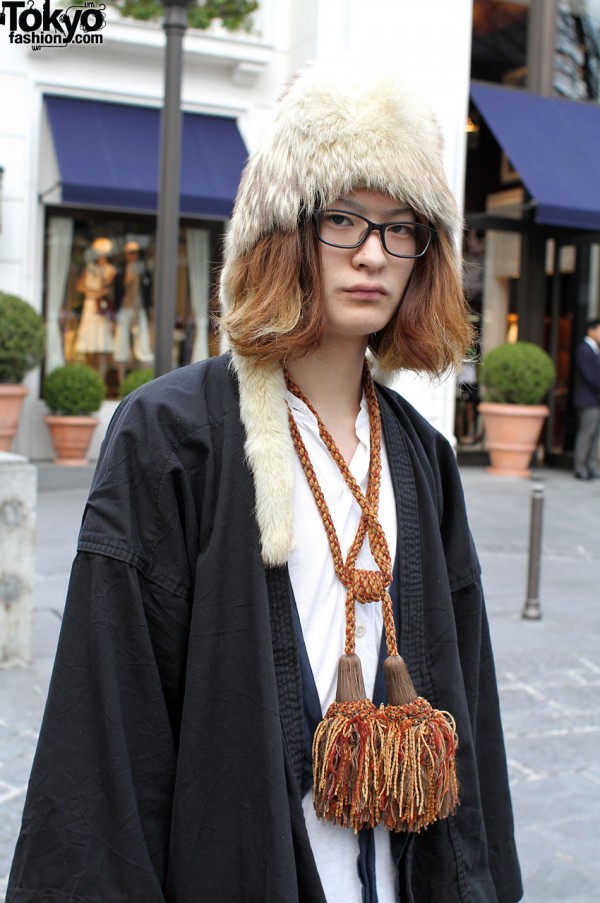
(100, 231)
(540, 234)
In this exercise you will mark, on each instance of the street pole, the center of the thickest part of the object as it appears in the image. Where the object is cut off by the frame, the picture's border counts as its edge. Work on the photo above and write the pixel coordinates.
(167, 229)
(531, 609)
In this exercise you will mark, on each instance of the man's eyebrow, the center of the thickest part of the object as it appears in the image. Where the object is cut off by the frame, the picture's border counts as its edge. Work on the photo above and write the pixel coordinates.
(360, 208)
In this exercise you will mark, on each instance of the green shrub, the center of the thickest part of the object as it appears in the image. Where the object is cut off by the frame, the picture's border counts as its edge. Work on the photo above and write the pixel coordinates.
(22, 334)
(134, 380)
(74, 390)
(517, 373)
(234, 14)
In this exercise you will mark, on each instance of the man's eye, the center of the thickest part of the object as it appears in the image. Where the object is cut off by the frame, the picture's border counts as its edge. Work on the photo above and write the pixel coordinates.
(406, 229)
(338, 219)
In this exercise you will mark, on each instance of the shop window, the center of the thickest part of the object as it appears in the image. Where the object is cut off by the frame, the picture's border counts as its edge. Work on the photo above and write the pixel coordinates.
(577, 50)
(499, 41)
(500, 45)
(99, 294)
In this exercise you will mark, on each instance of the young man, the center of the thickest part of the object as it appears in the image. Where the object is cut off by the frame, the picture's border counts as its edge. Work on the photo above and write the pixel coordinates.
(253, 519)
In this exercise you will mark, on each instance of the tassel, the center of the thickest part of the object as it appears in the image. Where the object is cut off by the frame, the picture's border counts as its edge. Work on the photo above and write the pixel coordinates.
(350, 682)
(418, 778)
(347, 754)
(400, 688)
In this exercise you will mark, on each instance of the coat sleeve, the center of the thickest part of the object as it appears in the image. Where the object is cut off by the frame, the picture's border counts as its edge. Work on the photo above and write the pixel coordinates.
(481, 689)
(479, 676)
(96, 822)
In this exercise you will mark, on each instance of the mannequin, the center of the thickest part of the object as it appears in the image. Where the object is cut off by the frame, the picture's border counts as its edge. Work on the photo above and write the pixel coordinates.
(133, 300)
(94, 336)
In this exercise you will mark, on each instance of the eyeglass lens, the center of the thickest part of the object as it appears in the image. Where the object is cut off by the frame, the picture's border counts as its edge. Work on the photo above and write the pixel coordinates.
(347, 230)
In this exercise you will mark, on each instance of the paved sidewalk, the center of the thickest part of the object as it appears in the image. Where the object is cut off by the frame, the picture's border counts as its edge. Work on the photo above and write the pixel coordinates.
(548, 670)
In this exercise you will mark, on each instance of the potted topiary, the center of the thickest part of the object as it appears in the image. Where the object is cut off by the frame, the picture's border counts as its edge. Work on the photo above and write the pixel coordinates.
(73, 393)
(515, 379)
(22, 334)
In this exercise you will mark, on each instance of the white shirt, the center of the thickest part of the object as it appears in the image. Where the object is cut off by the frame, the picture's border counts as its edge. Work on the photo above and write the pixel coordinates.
(320, 598)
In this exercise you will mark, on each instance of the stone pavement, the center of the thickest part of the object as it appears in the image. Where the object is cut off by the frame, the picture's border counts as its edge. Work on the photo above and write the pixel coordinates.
(548, 673)
(548, 669)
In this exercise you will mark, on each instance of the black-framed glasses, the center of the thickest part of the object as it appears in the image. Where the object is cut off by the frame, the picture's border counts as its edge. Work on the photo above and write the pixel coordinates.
(343, 229)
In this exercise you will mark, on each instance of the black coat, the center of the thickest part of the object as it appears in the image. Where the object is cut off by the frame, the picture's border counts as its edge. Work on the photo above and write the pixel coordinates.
(168, 766)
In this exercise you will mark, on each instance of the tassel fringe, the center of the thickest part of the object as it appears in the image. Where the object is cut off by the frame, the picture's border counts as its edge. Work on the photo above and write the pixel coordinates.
(395, 765)
(347, 760)
(419, 784)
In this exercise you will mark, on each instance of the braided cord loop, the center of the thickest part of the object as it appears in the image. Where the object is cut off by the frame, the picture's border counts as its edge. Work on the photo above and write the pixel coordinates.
(361, 585)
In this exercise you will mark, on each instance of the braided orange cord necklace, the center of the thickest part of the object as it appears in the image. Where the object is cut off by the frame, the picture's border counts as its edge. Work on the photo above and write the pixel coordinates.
(361, 585)
(395, 764)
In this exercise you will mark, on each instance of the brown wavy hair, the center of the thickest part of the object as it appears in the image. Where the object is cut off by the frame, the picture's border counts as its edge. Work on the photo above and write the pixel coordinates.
(277, 310)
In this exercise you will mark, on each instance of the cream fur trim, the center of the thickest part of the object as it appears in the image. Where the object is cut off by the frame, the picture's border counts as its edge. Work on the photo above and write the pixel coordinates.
(270, 454)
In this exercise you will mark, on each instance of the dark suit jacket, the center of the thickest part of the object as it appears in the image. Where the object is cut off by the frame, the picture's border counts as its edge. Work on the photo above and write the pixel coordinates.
(587, 387)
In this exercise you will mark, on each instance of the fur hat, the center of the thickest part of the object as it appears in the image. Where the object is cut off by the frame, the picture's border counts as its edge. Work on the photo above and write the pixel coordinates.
(339, 127)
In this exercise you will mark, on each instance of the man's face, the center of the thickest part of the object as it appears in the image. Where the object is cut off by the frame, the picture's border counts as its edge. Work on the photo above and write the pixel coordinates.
(595, 334)
(363, 286)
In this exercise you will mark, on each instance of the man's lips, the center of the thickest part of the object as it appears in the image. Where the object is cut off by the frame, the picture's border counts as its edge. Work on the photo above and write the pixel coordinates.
(366, 290)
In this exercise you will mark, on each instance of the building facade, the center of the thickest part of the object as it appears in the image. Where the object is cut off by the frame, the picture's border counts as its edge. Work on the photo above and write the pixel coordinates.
(79, 136)
(532, 200)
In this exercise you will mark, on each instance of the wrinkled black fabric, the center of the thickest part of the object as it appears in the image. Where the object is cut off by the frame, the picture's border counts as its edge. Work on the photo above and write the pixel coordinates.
(170, 756)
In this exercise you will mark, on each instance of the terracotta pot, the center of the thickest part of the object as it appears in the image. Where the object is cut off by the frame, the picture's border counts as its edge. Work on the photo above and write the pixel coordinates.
(512, 432)
(71, 437)
(12, 396)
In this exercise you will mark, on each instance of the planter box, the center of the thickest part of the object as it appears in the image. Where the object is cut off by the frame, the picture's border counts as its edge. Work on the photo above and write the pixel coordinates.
(71, 437)
(512, 432)
(12, 396)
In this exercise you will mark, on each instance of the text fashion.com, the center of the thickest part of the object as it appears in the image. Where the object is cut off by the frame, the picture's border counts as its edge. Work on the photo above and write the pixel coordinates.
(41, 38)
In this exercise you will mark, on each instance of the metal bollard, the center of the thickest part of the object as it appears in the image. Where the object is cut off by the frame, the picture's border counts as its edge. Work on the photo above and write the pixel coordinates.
(531, 609)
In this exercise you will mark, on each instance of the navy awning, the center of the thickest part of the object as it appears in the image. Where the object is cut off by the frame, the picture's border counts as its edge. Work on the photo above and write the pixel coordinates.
(107, 155)
(554, 145)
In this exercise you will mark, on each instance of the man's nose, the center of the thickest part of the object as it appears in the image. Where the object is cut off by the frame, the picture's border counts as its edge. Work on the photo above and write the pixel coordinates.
(371, 252)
